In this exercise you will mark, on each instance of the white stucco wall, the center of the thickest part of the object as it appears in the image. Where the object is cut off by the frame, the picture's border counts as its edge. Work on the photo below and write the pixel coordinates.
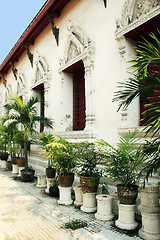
(99, 24)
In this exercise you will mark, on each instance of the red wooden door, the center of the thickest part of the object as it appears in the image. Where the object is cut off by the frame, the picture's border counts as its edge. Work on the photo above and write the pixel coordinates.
(152, 98)
(79, 101)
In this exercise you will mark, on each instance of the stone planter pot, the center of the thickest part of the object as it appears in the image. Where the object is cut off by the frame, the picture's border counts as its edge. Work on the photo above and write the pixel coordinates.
(41, 180)
(150, 211)
(20, 162)
(127, 195)
(78, 196)
(50, 183)
(27, 176)
(3, 164)
(19, 171)
(126, 218)
(13, 160)
(89, 203)
(50, 172)
(65, 195)
(14, 168)
(66, 181)
(88, 184)
(104, 207)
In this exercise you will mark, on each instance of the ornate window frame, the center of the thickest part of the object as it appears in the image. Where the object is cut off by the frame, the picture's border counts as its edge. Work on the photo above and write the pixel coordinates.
(134, 14)
(80, 47)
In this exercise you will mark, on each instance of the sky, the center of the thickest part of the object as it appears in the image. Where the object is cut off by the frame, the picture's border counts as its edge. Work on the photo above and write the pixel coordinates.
(15, 16)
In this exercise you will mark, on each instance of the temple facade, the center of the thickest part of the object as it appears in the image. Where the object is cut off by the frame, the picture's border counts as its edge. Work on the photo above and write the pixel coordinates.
(73, 54)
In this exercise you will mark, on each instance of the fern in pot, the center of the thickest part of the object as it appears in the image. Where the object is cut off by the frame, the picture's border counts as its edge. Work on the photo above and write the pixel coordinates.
(89, 157)
(123, 165)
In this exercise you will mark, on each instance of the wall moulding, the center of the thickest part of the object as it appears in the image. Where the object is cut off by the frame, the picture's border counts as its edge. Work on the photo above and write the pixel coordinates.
(136, 13)
(41, 72)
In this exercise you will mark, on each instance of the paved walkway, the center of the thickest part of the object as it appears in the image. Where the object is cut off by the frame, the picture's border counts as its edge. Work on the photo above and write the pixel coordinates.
(27, 213)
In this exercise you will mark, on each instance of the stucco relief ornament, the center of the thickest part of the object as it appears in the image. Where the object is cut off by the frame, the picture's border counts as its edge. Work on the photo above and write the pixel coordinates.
(136, 12)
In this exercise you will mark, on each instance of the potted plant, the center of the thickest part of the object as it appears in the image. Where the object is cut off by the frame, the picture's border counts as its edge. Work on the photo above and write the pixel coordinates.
(89, 157)
(4, 140)
(44, 140)
(25, 113)
(123, 164)
(63, 156)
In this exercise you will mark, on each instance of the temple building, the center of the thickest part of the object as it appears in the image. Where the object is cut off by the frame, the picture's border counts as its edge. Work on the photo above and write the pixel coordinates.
(73, 54)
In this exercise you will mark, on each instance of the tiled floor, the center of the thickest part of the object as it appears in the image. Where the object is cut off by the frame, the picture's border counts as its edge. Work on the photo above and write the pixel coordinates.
(28, 213)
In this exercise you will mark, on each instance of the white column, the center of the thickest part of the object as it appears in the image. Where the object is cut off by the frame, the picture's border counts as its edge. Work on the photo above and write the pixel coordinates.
(41, 180)
(89, 202)
(104, 207)
(150, 211)
(50, 182)
(65, 195)
(19, 171)
(3, 164)
(126, 217)
(89, 91)
(14, 168)
(78, 196)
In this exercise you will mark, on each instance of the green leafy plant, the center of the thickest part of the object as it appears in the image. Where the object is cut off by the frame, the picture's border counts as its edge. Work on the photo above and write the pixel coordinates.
(25, 113)
(124, 163)
(44, 140)
(63, 155)
(145, 81)
(75, 224)
(88, 158)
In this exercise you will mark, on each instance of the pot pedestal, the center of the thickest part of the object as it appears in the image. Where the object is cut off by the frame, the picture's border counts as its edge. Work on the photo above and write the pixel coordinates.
(65, 195)
(14, 168)
(150, 211)
(41, 181)
(3, 164)
(113, 193)
(104, 207)
(78, 196)
(89, 202)
(19, 171)
(50, 182)
(126, 219)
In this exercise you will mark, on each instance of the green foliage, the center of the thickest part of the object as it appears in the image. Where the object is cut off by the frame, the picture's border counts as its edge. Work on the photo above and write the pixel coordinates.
(124, 163)
(145, 82)
(63, 155)
(44, 140)
(89, 157)
(25, 113)
(75, 224)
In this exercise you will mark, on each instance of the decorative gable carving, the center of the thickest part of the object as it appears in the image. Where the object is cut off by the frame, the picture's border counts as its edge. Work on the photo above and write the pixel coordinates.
(78, 46)
(21, 85)
(135, 13)
(41, 72)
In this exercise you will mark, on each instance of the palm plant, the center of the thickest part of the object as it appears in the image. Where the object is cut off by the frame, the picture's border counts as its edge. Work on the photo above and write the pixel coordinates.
(18, 112)
(146, 82)
(124, 163)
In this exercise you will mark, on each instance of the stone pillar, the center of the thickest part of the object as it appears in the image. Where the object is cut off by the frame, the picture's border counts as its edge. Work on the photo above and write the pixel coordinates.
(65, 195)
(19, 171)
(78, 196)
(104, 207)
(89, 90)
(41, 180)
(126, 217)
(14, 168)
(89, 202)
(3, 164)
(50, 182)
(150, 211)
(113, 193)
